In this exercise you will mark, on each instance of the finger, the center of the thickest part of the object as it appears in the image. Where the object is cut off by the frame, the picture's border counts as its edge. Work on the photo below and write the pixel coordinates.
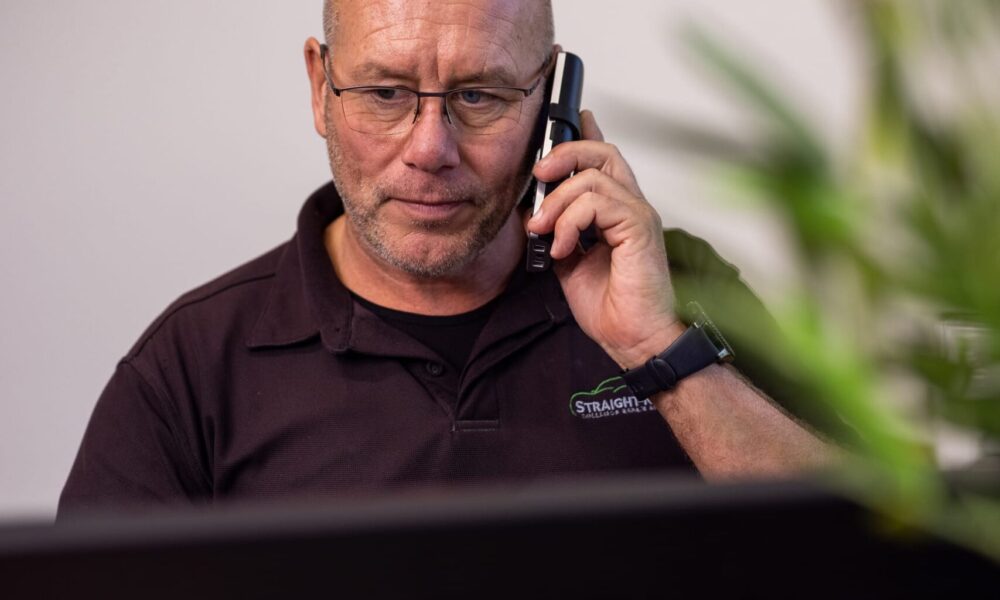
(570, 190)
(575, 157)
(570, 223)
(588, 127)
(617, 222)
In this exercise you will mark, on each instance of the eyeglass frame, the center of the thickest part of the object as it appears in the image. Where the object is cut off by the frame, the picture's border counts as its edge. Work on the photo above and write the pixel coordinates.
(324, 52)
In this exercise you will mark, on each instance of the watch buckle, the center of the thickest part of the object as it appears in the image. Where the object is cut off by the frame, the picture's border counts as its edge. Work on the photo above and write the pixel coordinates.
(701, 320)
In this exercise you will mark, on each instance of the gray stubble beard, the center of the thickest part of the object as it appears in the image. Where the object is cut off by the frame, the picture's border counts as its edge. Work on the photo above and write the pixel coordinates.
(473, 241)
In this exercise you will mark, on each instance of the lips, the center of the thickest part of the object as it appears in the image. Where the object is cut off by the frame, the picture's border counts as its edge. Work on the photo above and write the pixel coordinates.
(432, 202)
(429, 209)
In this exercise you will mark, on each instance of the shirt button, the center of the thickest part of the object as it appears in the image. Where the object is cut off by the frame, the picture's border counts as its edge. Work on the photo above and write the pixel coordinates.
(434, 369)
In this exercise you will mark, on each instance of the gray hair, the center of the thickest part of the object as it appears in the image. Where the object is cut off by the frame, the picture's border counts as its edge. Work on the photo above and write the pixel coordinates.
(331, 18)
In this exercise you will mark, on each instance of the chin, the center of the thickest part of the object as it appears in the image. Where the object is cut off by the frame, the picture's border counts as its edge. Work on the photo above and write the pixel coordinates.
(430, 255)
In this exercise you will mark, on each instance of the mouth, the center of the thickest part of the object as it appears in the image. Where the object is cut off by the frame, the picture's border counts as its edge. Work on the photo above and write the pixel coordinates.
(422, 210)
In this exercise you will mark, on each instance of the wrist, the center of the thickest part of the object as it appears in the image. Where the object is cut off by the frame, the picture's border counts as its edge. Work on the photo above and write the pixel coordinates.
(659, 338)
(698, 347)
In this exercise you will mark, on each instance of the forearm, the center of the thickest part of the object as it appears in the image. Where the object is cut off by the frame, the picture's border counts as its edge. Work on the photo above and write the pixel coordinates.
(621, 295)
(731, 429)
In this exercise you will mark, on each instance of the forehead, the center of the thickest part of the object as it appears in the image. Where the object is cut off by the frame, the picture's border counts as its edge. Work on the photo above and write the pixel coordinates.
(438, 38)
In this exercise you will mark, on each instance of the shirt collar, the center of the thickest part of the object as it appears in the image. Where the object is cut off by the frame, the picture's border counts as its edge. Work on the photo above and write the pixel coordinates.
(307, 299)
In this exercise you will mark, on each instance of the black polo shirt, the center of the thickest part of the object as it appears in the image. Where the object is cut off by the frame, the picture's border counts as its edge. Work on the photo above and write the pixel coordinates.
(272, 381)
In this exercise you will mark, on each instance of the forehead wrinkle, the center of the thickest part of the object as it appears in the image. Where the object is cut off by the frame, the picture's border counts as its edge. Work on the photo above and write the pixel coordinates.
(443, 36)
(374, 73)
(470, 27)
(454, 58)
(499, 23)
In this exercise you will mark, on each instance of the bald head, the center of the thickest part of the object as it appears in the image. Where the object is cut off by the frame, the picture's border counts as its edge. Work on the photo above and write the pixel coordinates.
(535, 16)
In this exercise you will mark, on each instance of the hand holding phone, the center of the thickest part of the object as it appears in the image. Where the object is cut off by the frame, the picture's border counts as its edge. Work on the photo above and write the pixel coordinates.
(619, 290)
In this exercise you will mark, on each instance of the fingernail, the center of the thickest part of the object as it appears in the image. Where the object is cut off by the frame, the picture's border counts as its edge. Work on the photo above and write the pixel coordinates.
(538, 215)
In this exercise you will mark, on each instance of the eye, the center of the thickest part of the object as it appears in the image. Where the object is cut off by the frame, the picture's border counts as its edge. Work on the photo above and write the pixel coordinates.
(471, 96)
(386, 93)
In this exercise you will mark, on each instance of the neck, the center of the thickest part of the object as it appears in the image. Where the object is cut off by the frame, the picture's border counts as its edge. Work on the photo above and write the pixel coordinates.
(483, 279)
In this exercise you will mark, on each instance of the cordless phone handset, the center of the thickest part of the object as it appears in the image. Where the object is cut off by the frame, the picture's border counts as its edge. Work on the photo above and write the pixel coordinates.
(562, 116)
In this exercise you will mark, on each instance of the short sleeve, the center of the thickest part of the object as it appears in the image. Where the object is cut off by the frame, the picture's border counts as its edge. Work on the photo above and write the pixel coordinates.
(700, 274)
(132, 455)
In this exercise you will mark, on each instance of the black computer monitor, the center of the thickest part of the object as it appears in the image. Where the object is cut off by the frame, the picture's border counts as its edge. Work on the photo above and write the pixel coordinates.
(633, 537)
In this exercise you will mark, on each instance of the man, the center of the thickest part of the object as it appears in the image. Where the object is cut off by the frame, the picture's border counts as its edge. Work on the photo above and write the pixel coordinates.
(397, 340)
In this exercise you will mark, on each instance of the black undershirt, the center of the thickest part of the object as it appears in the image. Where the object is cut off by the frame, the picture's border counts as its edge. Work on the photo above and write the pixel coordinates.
(451, 336)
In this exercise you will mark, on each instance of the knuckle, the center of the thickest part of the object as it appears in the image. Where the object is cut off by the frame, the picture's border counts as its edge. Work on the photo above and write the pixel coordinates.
(657, 221)
(648, 212)
(652, 216)
(615, 152)
(564, 228)
(592, 177)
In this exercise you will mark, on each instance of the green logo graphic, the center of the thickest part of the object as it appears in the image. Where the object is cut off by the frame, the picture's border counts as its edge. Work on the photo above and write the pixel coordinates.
(610, 398)
(602, 387)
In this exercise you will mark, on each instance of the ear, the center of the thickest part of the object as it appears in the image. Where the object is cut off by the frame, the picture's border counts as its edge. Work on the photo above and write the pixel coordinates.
(317, 84)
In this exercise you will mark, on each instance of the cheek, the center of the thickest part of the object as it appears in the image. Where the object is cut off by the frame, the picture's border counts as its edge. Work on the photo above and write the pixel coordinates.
(368, 155)
(500, 158)
(505, 153)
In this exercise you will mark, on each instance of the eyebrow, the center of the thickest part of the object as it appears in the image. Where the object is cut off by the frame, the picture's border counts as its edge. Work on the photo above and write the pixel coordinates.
(489, 76)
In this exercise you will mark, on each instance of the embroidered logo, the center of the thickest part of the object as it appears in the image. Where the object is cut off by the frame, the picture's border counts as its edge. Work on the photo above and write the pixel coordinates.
(609, 399)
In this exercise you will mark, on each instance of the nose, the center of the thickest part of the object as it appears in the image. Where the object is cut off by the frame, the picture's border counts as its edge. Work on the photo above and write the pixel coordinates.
(431, 145)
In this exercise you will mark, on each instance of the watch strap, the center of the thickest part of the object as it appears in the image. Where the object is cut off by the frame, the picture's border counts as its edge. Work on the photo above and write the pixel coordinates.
(690, 353)
(698, 347)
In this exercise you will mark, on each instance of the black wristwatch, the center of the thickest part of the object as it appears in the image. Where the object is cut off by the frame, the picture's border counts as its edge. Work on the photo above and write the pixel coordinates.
(698, 347)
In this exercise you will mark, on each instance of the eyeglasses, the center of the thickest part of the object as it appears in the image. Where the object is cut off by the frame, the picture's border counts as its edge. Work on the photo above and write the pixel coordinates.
(387, 110)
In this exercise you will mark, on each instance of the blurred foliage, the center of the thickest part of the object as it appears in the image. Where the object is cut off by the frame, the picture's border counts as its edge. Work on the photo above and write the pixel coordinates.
(893, 320)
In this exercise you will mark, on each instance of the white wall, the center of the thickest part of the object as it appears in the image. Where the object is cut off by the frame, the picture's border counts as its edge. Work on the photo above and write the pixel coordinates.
(146, 147)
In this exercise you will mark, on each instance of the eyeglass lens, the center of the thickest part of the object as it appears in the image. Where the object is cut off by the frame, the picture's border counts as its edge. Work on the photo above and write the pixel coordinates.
(393, 110)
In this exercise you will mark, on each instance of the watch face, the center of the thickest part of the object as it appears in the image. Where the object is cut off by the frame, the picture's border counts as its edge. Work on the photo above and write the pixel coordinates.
(701, 320)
